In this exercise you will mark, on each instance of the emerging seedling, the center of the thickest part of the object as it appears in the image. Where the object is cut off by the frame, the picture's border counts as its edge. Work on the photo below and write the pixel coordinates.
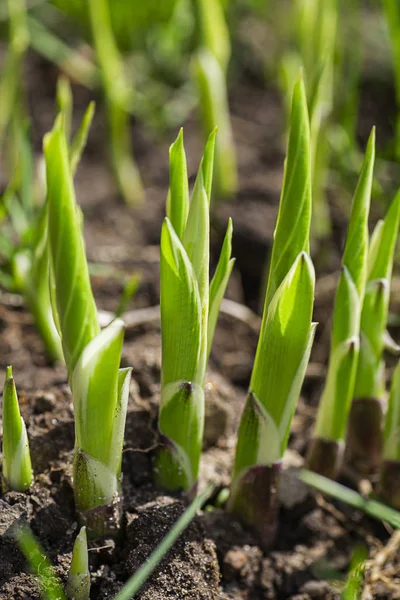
(210, 68)
(17, 468)
(99, 387)
(78, 584)
(364, 439)
(284, 343)
(327, 447)
(117, 92)
(189, 309)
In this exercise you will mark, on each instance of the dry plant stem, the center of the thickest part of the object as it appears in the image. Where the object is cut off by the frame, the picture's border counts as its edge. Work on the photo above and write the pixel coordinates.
(389, 488)
(255, 500)
(325, 456)
(365, 435)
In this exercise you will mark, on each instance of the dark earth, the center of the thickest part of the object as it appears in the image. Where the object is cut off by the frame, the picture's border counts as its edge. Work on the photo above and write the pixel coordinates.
(215, 557)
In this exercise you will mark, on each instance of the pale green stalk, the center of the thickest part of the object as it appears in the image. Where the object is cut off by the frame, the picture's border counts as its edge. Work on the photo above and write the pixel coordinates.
(17, 468)
(78, 584)
(364, 439)
(284, 343)
(100, 388)
(326, 451)
(186, 305)
(117, 94)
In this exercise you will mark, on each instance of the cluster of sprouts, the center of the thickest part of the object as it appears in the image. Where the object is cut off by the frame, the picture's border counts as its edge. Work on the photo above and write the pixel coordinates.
(353, 423)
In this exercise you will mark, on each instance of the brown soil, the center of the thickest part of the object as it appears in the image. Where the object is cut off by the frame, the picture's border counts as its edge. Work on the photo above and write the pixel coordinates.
(216, 557)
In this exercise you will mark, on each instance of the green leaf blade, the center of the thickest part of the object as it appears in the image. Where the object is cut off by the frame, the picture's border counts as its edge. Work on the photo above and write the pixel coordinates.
(74, 299)
(178, 206)
(181, 312)
(293, 223)
(356, 248)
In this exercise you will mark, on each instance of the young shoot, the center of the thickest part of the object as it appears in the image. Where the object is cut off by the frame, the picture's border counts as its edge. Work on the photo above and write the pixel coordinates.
(99, 387)
(78, 584)
(17, 468)
(364, 438)
(210, 69)
(284, 343)
(118, 96)
(327, 446)
(189, 308)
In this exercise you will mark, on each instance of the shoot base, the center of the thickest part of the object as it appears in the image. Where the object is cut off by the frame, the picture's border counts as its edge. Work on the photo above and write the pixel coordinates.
(364, 436)
(389, 485)
(254, 500)
(103, 520)
(325, 457)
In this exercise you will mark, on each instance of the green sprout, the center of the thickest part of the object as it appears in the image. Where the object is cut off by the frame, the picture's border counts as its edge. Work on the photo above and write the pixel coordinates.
(118, 94)
(210, 68)
(78, 584)
(17, 468)
(316, 34)
(187, 301)
(364, 438)
(327, 446)
(389, 487)
(26, 262)
(50, 583)
(99, 387)
(284, 343)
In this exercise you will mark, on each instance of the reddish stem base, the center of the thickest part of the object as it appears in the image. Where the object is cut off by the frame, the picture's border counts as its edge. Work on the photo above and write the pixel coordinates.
(255, 500)
(325, 457)
(364, 436)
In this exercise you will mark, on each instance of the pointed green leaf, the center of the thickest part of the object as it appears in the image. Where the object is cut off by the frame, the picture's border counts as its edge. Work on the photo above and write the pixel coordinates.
(197, 237)
(219, 283)
(64, 103)
(181, 312)
(178, 205)
(207, 164)
(356, 248)
(79, 141)
(284, 338)
(17, 468)
(78, 584)
(293, 223)
(74, 299)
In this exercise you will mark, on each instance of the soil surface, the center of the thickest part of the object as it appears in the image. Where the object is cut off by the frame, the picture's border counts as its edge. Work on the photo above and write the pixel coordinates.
(216, 557)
